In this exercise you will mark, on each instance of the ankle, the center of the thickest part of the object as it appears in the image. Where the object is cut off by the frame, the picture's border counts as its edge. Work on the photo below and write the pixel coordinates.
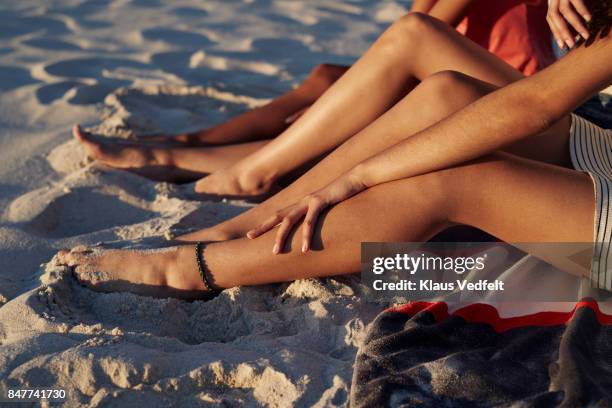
(180, 268)
(161, 157)
(204, 137)
(256, 179)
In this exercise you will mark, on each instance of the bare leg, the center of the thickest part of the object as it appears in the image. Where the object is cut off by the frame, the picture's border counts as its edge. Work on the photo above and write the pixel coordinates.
(269, 120)
(160, 163)
(423, 107)
(172, 159)
(515, 199)
(257, 124)
(413, 48)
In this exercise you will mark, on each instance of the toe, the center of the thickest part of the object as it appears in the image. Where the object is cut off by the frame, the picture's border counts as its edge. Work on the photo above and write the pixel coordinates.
(81, 274)
(199, 186)
(69, 260)
(93, 147)
(81, 249)
(75, 258)
(61, 255)
(78, 133)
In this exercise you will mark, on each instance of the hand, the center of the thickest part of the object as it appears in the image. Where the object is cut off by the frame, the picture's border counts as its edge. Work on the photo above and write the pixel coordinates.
(562, 12)
(309, 207)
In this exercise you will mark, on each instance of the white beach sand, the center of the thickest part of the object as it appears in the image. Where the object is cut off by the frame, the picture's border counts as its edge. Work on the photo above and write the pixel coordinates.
(180, 65)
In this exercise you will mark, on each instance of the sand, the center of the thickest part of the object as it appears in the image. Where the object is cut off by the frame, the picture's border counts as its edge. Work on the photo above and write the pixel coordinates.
(132, 69)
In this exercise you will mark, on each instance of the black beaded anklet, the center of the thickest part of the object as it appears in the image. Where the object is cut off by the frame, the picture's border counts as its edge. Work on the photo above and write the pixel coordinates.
(202, 268)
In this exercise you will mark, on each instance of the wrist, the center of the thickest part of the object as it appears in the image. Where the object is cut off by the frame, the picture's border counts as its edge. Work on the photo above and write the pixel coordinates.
(357, 177)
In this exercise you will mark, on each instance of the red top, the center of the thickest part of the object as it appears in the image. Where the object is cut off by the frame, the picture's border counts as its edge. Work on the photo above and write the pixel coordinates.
(514, 30)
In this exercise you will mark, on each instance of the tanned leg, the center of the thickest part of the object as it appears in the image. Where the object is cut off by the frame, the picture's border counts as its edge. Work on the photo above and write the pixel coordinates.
(411, 50)
(427, 104)
(161, 163)
(270, 120)
(178, 158)
(264, 122)
(515, 199)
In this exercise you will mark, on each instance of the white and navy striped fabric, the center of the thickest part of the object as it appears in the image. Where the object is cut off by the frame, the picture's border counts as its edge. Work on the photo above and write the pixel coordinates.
(591, 151)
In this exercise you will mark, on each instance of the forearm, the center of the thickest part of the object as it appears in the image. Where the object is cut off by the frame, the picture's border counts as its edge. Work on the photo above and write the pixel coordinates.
(496, 120)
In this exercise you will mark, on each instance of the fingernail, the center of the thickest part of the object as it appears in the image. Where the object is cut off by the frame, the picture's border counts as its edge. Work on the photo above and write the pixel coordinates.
(585, 35)
(304, 247)
(249, 235)
(560, 44)
(276, 249)
(587, 17)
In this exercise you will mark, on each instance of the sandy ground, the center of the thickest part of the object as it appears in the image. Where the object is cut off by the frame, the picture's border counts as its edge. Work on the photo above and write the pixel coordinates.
(142, 67)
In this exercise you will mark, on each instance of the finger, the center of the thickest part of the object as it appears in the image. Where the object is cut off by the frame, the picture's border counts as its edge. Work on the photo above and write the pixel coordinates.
(264, 227)
(551, 15)
(582, 9)
(281, 235)
(555, 33)
(575, 20)
(309, 222)
(285, 228)
(562, 27)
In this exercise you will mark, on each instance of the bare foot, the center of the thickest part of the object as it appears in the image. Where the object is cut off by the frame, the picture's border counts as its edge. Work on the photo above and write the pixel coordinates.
(184, 140)
(119, 154)
(151, 162)
(167, 272)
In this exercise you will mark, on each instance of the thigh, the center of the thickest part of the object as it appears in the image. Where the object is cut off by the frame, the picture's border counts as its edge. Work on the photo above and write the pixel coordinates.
(518, 199)
(527, 203)
(441, 48)
(515, 199)
(550, 146)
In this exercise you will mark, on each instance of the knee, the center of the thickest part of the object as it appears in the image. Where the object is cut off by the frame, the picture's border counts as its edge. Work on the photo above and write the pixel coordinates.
(410, 27)
(406, 36)
(452, 90)
(449, 83)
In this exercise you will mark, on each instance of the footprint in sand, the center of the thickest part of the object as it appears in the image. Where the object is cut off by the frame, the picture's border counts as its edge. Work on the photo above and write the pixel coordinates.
(51, 44)
(170, 110)
(13, 77)
(184, 39)
(77, 93)
(106, 74)
(46, 94)
(15, 25)
(190, 12)
(51, 214)
(91, 67)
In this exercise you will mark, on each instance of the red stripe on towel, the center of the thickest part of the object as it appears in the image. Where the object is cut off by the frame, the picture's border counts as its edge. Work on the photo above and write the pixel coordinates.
(484, 313)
